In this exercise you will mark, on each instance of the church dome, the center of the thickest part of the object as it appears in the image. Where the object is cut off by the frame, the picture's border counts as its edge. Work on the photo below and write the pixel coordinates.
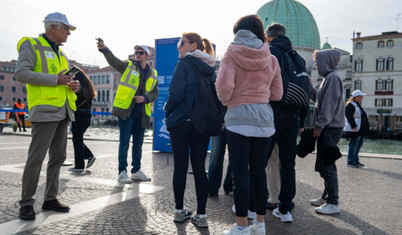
(326, 46)
(301, 27)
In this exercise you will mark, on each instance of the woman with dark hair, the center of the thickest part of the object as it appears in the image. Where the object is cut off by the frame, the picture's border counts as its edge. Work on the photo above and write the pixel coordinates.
(194, 53)
(249, 77)
(82, 122)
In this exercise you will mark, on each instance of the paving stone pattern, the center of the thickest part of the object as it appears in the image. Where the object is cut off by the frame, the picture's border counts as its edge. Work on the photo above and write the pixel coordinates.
(370, 199)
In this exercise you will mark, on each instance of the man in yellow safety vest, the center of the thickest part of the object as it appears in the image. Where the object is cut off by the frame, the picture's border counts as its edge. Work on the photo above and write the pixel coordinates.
(138, 88)
(51, 101)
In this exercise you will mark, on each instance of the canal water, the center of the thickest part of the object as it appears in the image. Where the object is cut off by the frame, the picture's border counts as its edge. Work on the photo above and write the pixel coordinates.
(383, 146)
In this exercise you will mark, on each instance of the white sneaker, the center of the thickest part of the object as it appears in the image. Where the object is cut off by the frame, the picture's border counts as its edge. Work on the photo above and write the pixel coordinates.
(123, 178)
(328, 209)
(236, 231)
(76, 169)
(257, 229)
(139, 175)
(250, 214)
(286, 218)
(317, 202)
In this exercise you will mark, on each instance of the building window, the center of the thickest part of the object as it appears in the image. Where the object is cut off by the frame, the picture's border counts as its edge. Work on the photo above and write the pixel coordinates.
(390, 64)
(93, 109)
(1, 97)
(103, 79)
(380, 64)
(99, 95)
(1, 88)
(380, 44)
(24, 89)
(383, 102)
(390, 43)
(14, 78)
(389, 84)
(358, 65)
(13, 89)
(379, 85)
(1, 77)
(358, 85)
(359, 45)
(25, 99)
(107, 95)
(107, 79)
(14, 99)
(348, 74)
(103, 95)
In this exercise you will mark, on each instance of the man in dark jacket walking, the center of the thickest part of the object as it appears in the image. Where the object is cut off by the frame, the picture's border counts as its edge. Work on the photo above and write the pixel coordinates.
(288, 123)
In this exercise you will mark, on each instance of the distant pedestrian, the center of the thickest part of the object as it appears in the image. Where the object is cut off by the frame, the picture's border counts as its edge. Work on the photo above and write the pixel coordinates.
(328, 123)
(21, 114)
(198, 52)
(82, 122)
(249, 77)
(51, 99)
(357, 127)
(138, 88)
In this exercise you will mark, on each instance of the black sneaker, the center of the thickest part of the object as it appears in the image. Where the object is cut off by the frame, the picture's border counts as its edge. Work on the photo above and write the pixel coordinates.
(353, 165)
(361, 165)
(271, 206)
(91, 161)
(27, 213)
(55, 205)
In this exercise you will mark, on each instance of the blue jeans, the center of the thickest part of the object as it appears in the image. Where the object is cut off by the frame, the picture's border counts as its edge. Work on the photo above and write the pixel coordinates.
(287, 128)
(130, 127)
(218, 148)
(354, 148)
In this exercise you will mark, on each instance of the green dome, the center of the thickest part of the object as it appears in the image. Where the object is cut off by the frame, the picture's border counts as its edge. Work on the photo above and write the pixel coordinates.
(300, 25)
(326, 46)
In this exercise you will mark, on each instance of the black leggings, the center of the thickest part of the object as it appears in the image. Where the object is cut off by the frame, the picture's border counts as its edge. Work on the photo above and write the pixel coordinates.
(247, 157)
(184, 138)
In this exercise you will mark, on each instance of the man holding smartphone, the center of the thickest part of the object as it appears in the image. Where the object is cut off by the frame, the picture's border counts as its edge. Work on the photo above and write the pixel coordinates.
(137, 89)
(51, 101)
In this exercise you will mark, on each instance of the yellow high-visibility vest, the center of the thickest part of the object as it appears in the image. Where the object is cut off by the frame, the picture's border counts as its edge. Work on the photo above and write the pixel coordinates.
(47, 61)
(128, 86)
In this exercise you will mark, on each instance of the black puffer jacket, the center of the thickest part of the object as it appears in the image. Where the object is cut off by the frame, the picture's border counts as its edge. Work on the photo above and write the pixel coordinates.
(182, 90)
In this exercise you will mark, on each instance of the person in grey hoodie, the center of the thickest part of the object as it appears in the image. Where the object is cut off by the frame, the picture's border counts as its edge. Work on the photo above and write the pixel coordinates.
(328, 125)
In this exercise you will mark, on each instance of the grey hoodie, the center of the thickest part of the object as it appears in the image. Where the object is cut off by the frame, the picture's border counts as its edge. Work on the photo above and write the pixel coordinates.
(330, 105)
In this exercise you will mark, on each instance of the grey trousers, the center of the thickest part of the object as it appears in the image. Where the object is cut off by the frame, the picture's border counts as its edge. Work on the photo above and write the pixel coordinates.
(46, 136)
(329, 173)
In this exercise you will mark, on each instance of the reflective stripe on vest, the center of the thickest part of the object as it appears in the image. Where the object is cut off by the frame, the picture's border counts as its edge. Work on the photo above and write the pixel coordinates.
(128, 86)
(48, 62)
(20, 106)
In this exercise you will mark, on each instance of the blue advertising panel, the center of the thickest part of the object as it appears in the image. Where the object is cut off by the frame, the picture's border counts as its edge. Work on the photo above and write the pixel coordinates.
(166, 58)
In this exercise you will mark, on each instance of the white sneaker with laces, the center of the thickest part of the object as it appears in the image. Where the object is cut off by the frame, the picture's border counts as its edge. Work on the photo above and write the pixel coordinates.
(236, 231)
(317, 202)
(257, 229)
(139, 175)
(286, 218)
(123, 178)
(328, 209)
(250, 214)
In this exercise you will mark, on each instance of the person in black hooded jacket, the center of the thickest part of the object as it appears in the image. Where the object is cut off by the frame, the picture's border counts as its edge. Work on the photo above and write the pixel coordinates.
(183, 136)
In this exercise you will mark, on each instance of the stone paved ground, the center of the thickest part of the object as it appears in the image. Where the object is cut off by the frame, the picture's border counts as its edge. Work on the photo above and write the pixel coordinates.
(370, 199)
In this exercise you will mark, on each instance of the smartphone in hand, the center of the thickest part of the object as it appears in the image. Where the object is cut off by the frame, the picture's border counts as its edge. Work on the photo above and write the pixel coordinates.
(73, 71)
(100, 41)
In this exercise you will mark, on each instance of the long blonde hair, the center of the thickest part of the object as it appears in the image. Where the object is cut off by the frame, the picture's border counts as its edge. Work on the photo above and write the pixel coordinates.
(203, 44)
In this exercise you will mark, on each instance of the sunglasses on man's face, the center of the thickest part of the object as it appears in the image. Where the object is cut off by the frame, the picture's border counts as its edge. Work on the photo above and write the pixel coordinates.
(140, 52)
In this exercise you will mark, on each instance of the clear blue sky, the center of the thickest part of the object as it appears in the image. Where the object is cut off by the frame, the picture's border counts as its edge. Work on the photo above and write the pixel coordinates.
(124, 23)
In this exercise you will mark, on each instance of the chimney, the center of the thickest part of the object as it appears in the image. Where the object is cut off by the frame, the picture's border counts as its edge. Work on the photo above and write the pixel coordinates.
(358, 34)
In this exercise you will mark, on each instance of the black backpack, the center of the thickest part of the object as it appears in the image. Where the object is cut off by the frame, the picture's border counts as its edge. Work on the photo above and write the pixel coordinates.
(207, 114)
(296, 83)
